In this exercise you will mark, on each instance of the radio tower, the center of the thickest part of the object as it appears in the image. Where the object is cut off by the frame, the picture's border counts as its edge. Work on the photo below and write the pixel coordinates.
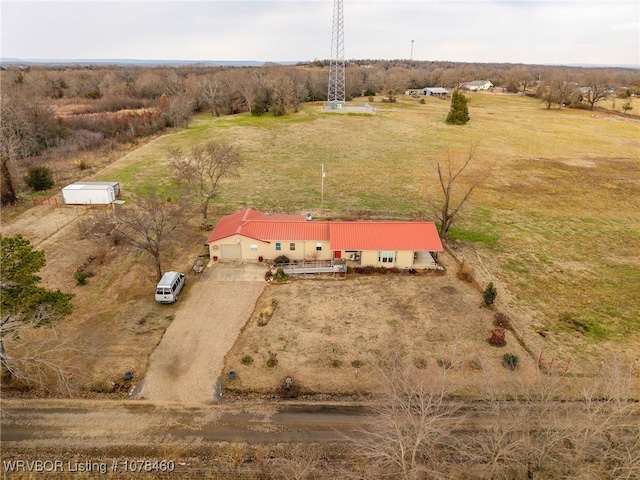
(336, 97)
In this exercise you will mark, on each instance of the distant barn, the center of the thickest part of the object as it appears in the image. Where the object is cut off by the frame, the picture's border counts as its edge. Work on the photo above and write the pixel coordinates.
(428, 91)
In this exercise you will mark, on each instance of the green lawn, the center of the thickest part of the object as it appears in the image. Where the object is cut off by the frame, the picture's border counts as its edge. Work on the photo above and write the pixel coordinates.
(560, 214)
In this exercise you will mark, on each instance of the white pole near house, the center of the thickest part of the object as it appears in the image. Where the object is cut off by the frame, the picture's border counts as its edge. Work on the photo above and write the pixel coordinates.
(115, 218)
(322, 188)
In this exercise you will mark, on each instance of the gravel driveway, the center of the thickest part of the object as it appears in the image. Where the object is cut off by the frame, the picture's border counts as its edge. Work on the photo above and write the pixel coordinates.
(212, 309)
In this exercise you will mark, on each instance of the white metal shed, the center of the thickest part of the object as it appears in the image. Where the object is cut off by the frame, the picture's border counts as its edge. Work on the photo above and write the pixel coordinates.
(91, 193)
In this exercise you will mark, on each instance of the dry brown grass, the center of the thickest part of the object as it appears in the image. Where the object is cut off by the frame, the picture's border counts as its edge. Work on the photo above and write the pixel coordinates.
(556, 227)
(328, 334)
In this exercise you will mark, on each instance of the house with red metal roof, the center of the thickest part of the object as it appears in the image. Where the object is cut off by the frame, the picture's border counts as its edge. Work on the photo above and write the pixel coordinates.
(253, 235)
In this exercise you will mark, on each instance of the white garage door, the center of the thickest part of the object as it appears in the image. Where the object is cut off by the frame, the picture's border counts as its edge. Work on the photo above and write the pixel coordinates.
(230, 251)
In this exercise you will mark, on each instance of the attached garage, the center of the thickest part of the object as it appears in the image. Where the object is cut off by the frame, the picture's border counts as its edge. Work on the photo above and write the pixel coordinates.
(229, 252)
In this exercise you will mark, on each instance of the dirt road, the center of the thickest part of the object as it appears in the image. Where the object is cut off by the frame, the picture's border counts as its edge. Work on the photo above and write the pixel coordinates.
(186, 364)
(177, 441)
(76, 424)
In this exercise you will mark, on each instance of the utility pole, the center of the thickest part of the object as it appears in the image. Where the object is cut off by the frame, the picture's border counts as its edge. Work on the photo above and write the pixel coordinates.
(411, 57)
(322, 175)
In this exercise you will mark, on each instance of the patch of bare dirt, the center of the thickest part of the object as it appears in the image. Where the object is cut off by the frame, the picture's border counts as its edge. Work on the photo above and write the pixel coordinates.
(327, 334)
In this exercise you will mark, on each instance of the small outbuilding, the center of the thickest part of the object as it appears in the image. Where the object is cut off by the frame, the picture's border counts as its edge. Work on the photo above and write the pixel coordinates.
(435, 91)
(91, 193)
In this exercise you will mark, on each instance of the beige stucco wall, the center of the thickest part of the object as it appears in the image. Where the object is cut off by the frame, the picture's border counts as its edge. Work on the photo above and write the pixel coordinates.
(403, 259)
(304, 250)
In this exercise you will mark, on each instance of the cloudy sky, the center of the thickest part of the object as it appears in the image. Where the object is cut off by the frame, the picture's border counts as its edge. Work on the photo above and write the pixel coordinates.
(603, 32)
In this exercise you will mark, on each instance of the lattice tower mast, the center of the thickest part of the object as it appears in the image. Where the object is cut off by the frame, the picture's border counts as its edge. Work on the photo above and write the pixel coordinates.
(337, 87)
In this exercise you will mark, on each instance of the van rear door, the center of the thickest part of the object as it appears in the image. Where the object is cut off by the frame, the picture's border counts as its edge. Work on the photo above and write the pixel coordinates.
(164, 295)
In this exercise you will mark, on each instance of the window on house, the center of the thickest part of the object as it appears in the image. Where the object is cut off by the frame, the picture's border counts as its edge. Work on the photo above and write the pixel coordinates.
(319, 246)
(386, 257)
(278, 246)
(292, 246)
(254, 248)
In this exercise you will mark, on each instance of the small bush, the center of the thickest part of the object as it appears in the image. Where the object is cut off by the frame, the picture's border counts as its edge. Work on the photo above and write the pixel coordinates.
(81, 277)
(497, 338)
(420, 362)
(476, 364)
(267, 312)
(273, 361)
(81, 164)
(39, 178)
(466, 272)
(336, 363)
(247, 360)
(367, 270)
(280, 276)
(445, 363)
(510, 361)
(357, 363)
(502, 320)
(579, 106)
(281, 259)
(489, 294)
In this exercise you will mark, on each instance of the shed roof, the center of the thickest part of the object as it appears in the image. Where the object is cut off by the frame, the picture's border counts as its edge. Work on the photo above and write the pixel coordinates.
(436, 90)
(90, 186)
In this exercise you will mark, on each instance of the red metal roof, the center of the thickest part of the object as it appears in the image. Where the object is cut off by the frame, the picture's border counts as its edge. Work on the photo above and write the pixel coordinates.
(418, 236)
(302, 230)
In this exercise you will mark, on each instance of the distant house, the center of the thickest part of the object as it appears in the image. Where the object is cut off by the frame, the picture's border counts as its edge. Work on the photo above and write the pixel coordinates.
(478, 85)
(250, 235)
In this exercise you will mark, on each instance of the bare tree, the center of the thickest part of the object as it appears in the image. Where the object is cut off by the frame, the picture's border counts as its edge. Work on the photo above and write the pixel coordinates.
(458, 178)
(203, 169)
(563, 90)
(37, 357)
(9, 148)
(209, 87)
(410, 433)
(282, 92)
(595, 88)
(149, 223)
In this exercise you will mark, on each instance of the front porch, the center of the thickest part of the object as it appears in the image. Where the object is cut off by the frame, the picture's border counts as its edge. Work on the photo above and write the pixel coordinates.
(421, 260)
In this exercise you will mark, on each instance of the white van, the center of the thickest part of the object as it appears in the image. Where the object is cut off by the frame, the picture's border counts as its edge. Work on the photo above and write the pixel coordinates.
(169, 287)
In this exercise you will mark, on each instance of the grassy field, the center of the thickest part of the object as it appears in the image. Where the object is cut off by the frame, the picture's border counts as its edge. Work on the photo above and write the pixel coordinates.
(557, 223)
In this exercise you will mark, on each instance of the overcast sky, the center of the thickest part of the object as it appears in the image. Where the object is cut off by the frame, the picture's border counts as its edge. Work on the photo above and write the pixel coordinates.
(604, 32)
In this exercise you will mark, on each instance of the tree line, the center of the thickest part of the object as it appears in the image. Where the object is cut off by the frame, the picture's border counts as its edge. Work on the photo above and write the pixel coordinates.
(50, 113)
